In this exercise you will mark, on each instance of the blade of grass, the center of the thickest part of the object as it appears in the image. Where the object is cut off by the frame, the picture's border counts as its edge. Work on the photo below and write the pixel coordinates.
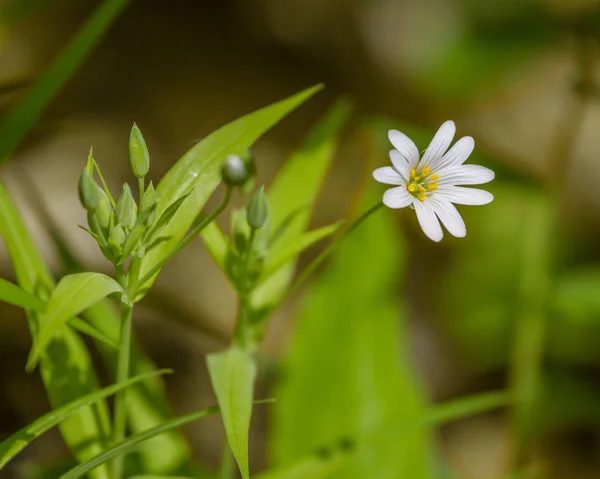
(28, 112)
(12, 294)
(10, 447)
(132, 442)
(66, 366)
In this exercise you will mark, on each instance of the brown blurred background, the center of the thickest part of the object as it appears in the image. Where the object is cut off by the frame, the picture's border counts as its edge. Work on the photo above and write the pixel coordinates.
(505, 71)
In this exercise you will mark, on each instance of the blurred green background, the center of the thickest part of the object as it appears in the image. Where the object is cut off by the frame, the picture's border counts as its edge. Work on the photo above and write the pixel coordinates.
(515, 303)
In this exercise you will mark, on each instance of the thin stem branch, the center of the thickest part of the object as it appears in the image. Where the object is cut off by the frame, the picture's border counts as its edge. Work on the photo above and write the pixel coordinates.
(141, 187)
(120, 418)
(315, 263)
(186, 240)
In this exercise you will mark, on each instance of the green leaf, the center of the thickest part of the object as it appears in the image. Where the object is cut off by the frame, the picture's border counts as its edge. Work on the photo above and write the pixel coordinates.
(347, 373)
(199, 170)
(10, 447)
(233, 373)
(73, 294)
(66, 366)
(28, 112)
(294, 191)
(12, 294)
(84, 328)
(316, 466)
(147, 405)
(296, 246)
(465, 407)
(132, 442)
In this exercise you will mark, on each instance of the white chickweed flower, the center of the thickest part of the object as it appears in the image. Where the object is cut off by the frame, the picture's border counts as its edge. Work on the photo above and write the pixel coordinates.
(433, 183)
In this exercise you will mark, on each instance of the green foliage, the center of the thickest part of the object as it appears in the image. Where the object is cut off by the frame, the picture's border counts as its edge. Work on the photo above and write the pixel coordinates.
(72, 295)
(233, 373)
(133, 442)
(11, 446)
(346, 374)
(66, 366)
(293, 193)
(147, 405)
(199, 170)
(12, 294)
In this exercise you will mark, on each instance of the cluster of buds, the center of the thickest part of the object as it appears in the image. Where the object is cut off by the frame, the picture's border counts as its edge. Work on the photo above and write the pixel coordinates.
(122, 228)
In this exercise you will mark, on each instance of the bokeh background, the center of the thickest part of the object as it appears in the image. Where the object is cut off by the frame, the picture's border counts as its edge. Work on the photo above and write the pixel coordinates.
(517, 75)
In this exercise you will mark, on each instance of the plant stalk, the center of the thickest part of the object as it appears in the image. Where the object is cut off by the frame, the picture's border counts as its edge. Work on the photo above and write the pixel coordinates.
(123, 360)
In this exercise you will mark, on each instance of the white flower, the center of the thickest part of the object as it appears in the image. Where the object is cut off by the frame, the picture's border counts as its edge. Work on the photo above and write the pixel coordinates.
(432, 183)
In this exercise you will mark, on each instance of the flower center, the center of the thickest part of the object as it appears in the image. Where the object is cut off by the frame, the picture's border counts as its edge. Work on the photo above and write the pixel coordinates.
(420, 183)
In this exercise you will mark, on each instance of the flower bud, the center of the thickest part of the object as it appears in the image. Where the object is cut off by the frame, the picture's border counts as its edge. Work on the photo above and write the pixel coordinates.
(116, 239)
(236, 171)
(139, 158)
(88, 191)
(126, 214)
(258, 209)
(148, 206)
(104, 211)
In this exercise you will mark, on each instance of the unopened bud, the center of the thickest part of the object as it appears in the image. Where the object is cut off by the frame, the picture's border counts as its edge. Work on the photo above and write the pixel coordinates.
(148, 206)
(236, 171)
(104, 211)
(88, 191)
(139, 158)
(258, 209)
(116, 239)
(126, 214)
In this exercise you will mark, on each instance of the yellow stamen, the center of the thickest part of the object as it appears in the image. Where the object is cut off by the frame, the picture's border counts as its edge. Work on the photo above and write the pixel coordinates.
(416, 178)
(432, 186)
(434, 177)
(413, 173)
(421, 196)
(411, 188)
(422, 189)
(425, 171)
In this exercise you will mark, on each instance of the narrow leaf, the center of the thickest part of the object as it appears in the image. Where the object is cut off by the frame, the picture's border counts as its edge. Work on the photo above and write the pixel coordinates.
(12, 294)
(28, 112)
(147, 405)
(347, 368)
(199, 170)
(233, 373)
(132, 442)
(296, 246)
(10, 447)
(316, 466)
(66, 366)
(294, 191)
(84, 328)
(73, 294)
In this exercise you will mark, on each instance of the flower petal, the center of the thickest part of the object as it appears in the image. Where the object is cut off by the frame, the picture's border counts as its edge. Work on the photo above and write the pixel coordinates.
(457, 155)
(428, 221)
(464, 196)
(388, 176)
(401, 165)
(398, 197)
(465, 175)
(405, 146)
(438, 146)
(450, 217)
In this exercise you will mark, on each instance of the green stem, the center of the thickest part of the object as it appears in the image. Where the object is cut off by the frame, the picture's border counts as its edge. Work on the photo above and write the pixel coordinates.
(186, 240)
(120, 418)
(141, 188)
